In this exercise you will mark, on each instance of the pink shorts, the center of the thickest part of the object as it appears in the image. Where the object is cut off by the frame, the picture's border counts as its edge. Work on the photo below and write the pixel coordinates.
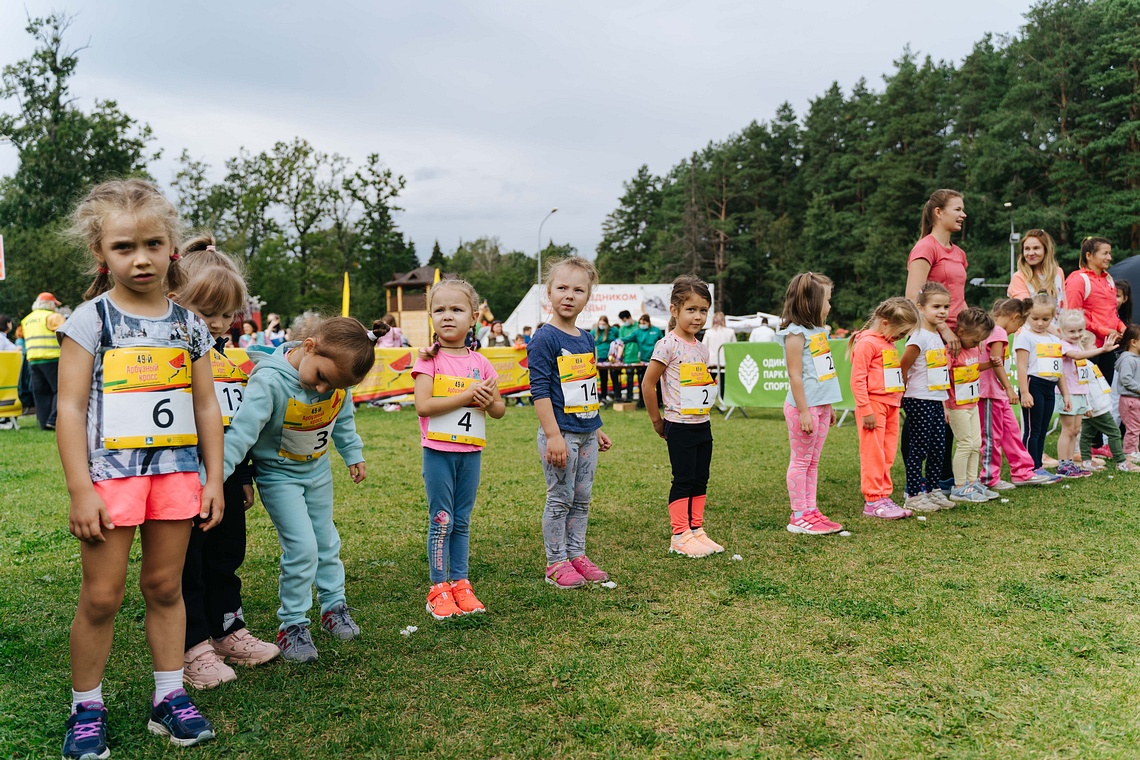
(133, 501)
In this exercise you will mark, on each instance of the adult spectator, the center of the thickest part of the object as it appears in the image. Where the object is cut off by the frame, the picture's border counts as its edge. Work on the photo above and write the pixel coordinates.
(645, 337)
(42, 351)
(274, 331)
(1037, 269)
(935, 259)
(249, 335)
(394, 338)
(629, 351)
(6, 343)
(1092, 290)
(604, 336)
(1128, 271)
(762, 333)
(495, 338)
(715, 337)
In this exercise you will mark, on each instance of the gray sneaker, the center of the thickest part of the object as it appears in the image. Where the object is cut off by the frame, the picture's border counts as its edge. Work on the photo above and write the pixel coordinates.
(296, 644)
(339, 623)
(966, 493)
(1001, 485)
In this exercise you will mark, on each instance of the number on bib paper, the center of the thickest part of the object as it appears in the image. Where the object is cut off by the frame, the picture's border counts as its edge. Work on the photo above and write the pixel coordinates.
(1048, 359)
(463, 425)
(1084, 374)
(147, 398)
(698, 391)
(892, 372)
(306, 428)
(821, 357)
(229, 385)
(937, 373)
(967, 384)
(578, 374)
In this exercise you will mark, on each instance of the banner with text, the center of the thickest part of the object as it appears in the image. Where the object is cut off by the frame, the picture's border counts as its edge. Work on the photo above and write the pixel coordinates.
(756, 376)
(391, 376)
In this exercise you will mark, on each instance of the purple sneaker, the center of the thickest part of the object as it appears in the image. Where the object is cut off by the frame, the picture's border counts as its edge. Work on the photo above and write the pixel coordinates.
(885, 509)
(589, 570)
(86, 737)
(563, 575)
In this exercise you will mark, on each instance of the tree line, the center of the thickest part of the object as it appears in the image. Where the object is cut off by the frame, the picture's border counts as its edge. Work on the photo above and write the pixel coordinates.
(1047, 120)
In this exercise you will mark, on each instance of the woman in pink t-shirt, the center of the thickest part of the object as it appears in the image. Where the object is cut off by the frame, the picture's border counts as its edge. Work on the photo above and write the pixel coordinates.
(935, 259)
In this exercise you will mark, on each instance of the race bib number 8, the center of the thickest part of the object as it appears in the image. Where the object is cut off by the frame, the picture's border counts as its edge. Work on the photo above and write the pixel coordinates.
(967, 384)
(1048, 359)
(229, 385)
(306, 428)
(578, 374)
(892, 372)
(937, 373)
(698, 391)
(463, 425)
(147, 399)
(821, 357)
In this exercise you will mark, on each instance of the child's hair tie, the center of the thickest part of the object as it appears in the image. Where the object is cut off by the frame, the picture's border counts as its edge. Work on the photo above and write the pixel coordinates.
(213, 248)
(175, 256)
(373, 336)
(103, 269)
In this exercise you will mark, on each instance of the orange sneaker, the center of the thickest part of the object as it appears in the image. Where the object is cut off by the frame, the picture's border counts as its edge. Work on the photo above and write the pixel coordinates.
(465, 598)
(439, 602)
(703, 537)
(689, 545)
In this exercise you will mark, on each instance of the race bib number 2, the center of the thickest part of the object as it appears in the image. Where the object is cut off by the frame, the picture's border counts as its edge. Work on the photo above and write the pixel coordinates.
(578, 374)
(147, 399)
(820, 351)
(463, 425)
(698, 391)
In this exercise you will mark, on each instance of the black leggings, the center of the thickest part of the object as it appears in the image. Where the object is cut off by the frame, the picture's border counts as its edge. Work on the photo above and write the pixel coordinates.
(925, 434)
(690, 455)
(211, 588)
(1036, 420)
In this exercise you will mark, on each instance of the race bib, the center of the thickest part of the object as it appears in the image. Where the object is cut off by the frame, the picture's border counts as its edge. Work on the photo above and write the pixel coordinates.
(967, 384)
(821, 357)
(147, 399)
(462, 425)
(229, 385)
(892, 372)
(306, 429)
(1084, 373)
(1101, 383)
(1048, 359)
(698, 390)
(578, 374)
(937, 373)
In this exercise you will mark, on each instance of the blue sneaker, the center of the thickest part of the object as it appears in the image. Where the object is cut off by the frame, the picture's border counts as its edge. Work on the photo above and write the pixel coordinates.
(86, 737)
(177, 717)
(1046, 474)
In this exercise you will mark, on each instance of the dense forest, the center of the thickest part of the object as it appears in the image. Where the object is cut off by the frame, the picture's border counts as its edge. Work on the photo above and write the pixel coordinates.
(1047, 120)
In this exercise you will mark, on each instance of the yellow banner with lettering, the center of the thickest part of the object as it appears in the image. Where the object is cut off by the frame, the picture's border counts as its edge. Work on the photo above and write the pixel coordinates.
(391, 376)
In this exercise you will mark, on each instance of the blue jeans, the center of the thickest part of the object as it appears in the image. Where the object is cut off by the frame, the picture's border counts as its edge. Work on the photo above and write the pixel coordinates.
(451, 479)
(568, 492)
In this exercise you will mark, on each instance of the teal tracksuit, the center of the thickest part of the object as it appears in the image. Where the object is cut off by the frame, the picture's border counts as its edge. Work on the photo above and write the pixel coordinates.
(297, 494)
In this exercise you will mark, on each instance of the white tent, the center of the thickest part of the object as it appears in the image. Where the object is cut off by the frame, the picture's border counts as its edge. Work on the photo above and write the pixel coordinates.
(606, 299)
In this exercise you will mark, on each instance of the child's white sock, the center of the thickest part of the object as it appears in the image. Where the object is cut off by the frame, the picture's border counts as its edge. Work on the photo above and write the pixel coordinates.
(166, 683)
(95, 695)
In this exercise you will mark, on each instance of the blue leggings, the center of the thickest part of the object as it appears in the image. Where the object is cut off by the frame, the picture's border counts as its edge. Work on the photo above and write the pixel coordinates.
(451, 479)
(1036, 420)
(925, 437)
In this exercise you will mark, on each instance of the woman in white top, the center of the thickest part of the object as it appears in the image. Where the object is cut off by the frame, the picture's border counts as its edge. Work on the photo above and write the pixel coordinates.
(716, 336)
(1037, 270)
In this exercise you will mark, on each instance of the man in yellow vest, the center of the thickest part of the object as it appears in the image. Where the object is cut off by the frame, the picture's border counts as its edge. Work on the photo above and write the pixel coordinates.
(42, 351)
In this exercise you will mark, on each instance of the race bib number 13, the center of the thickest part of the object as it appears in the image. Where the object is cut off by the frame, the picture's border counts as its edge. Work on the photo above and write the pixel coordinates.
(147, 399)
(578, 374)
(229, 385)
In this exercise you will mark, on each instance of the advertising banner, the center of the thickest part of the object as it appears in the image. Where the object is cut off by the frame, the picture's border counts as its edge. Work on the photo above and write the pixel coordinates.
(756, 376)
(607, 300)
(9, 377)
(391, 377)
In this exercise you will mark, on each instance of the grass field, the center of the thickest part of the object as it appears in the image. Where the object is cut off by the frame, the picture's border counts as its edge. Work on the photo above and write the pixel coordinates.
(993, 630)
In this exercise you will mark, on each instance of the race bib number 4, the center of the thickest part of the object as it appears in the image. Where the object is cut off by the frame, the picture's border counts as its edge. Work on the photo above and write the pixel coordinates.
(892, 372)
(463, 425)
(698, 391)
(820, 351)
(1048, 359)
(967, 384)
(229, 385)
(578, 374)
(937, 373)
(147, 399)
(306, 428)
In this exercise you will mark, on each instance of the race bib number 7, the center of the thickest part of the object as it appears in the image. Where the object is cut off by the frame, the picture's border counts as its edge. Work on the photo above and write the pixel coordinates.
(698, 391)
(147, 399)
(937, 373)
(892, 372)
(463, 425)
(306, 428)
(578, 374)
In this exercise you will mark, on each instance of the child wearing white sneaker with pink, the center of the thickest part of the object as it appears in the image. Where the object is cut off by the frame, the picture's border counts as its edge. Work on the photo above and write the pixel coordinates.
(813, 386)
(689, 392)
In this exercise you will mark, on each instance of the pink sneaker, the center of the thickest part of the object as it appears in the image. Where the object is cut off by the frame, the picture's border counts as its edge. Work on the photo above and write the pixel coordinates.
(1101, 451)
(563, 575)
(203, 669)
(812, 523)
(703, 537)
(589, 570)
(243, 648)
(885, 509)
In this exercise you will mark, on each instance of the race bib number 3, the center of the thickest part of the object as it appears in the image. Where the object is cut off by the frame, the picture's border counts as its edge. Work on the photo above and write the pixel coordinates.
(578, 374)
(698, 391)
(147, 399)
(229, 385)
(463, 425)
(306, 428)
(937, 373)
(892, 372)
(820, 351)
(1048, 359)
(967, 384)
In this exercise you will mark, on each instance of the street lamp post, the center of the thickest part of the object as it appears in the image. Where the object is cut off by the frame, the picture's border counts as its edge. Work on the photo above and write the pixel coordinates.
(1013, 238)
(539, 279)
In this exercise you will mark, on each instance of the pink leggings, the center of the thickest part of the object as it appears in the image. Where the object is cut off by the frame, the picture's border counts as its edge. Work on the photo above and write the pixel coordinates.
(1130, 416)
(803, 468)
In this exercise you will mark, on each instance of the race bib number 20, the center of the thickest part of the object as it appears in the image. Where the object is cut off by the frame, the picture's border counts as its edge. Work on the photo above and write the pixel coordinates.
(147, 398)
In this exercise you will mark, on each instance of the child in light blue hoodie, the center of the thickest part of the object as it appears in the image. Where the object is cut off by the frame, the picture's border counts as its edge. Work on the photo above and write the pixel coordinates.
(296, 401)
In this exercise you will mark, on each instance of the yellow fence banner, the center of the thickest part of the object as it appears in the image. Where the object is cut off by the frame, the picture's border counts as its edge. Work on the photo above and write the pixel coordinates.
(391, 377)
(9, 378)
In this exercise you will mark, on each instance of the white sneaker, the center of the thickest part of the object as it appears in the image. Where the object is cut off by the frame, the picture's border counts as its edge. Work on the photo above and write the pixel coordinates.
(921, 503)
(977, 486)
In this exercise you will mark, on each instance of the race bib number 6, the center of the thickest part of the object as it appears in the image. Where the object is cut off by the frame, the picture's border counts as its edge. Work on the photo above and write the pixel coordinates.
(698, 391)
(463, 425)
(578, 374)
(892, 372)
(147, 399)
(306, 428)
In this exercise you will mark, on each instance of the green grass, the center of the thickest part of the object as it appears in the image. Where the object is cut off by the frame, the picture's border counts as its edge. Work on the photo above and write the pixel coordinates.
(994, 630)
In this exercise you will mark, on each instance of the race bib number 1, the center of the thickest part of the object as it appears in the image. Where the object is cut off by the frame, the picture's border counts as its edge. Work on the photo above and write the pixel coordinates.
(892, 372)
(698, 391)
(229, 385)
(821, 357)
(147, 399)
(967, 384)
(1048, 359)
(578, 374)
(306, 428)
(463, 425)
(937, 373)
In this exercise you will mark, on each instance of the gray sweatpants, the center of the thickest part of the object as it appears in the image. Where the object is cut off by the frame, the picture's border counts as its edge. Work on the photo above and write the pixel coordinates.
(568, 495)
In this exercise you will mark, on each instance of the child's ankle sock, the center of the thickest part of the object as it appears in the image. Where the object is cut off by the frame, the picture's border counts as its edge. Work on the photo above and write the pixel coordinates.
(1065, 462)
(95, 695)
(166, 683)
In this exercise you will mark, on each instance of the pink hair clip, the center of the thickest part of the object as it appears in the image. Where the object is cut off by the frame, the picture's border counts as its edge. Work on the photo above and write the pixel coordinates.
(212, 248)
(175, 256)
(103, 269)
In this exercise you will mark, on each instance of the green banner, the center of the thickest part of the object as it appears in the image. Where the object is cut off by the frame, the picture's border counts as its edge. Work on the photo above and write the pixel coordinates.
(755, 374)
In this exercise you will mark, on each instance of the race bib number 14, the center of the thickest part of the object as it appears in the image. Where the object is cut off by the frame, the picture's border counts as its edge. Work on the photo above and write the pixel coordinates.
(147, 399)
(892, 372)
(578, 374)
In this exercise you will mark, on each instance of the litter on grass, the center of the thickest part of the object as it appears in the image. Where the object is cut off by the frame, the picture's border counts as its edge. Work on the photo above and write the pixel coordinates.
(1005, 501)
(736, 558)
(922, 518)
(845, 533)
(409, 630)
(609, 584)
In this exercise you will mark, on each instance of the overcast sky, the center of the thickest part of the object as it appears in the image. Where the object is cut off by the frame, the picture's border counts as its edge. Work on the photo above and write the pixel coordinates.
(495, 112)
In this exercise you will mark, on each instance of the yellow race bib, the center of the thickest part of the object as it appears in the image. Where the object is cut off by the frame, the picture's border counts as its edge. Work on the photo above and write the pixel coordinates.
(967, 384)
(937, 373)
(578, 374)
(229, 385)
(698, 391)
(463, 425)
(148, 400)
(820, 351)
(1048, 359)
(306, 428)
(892, 372)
